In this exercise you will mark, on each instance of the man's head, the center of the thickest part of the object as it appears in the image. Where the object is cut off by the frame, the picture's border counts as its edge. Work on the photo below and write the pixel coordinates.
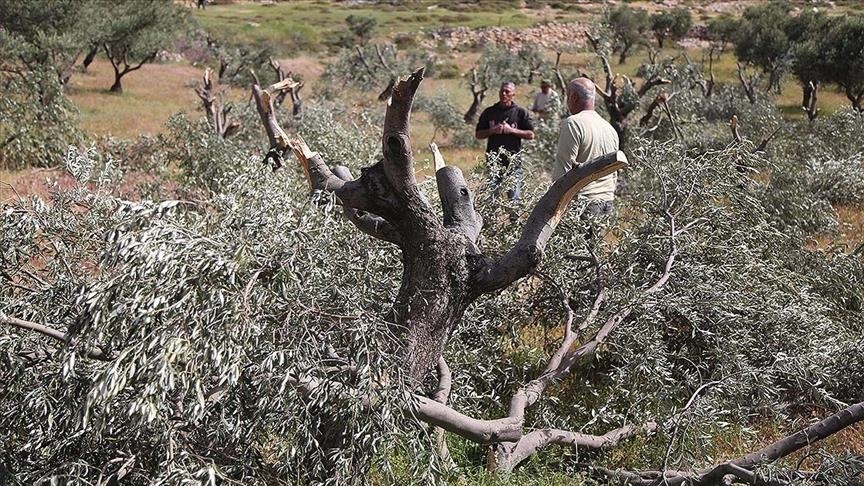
(580, 95)
(545, 86)
(506, 93)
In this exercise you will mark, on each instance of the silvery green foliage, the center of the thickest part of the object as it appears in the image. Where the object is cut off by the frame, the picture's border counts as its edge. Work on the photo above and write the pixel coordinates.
(208, 313)
(36, 119)
(748, 313)
(348, 68)
(212, 311)
(342, 137)
(446, 119)
(806, 167)
(544, 147)
(513, 65)
(838, 181)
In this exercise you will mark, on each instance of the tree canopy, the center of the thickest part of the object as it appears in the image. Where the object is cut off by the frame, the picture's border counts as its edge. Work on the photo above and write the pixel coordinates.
(674, 23)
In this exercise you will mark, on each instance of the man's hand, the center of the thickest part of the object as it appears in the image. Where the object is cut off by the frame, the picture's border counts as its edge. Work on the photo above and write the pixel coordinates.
(502, 128)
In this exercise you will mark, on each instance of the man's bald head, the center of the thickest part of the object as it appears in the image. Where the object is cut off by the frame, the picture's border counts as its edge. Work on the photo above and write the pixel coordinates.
(580, 95)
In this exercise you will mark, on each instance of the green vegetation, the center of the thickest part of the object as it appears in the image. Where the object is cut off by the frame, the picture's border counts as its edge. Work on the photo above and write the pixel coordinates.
(673, 24)
(217, 323)
(310, 26)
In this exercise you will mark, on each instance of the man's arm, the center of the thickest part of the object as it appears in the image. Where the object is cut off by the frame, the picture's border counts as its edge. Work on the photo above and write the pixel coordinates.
(569, 138)
(523, 134)
(488, 132)
(484, 121)
(524, 129)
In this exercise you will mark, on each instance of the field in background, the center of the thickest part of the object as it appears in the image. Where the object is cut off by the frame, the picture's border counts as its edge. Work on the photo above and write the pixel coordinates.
(150, 95)
(312, 26)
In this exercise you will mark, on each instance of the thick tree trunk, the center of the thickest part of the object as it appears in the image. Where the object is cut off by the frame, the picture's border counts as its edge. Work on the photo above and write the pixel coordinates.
(433, 297)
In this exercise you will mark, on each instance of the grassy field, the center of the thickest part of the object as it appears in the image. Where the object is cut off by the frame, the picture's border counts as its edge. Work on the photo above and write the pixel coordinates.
(149, 97)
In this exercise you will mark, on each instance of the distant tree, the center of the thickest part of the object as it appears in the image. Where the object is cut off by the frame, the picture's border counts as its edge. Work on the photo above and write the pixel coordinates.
(843, 48)
(722, 30)
(132, 32)
(519, 66)
(809, 65)
(362, 27)
(671, 23)
(628, 26)
(761, 41)
(37, 35)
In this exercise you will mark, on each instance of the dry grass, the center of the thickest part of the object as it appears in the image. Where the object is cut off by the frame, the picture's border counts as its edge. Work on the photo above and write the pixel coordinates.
(737, 444)
(32, 182)
(150, 96)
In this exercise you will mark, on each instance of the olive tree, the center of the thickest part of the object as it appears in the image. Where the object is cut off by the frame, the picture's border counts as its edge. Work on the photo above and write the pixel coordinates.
(673, 23)
(760, 40)
(250, 335)
(629, 26)
(41, 36)
(131, 33)
(842, 46)
(36, 119)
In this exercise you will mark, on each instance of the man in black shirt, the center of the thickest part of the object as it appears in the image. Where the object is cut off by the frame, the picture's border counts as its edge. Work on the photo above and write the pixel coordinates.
(505, 125)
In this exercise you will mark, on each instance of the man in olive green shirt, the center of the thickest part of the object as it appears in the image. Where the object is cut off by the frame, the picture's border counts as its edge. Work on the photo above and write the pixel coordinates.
(583, 136)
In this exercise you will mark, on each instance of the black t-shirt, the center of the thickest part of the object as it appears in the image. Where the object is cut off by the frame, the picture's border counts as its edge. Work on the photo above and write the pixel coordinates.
(515, 116)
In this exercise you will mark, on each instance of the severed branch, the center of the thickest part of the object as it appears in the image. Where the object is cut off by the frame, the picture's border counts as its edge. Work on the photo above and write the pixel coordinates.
(733, 125)
(398, 164)
(562, 85)
(664, 102)
(445, 383)
(649, 112)
(652, 82)
(528, 251)
(509, 455)
(217, 113)
(456, 201)
(744, 467)
(810, 90)
(765, 141)
(476, 430)
(293, 89)
(748, 84)
(93, 353)
(534, 441)
(350, 193)
(608, 92)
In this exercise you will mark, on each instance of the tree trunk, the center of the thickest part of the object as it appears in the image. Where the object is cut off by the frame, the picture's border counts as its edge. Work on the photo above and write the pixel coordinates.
(623, 57)
(91, 55)
(855, 98)
(473, 109)
(432, 298)
(117, 87)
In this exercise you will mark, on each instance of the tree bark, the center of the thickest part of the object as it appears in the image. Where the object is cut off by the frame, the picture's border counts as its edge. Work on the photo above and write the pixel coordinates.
(91, 55)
